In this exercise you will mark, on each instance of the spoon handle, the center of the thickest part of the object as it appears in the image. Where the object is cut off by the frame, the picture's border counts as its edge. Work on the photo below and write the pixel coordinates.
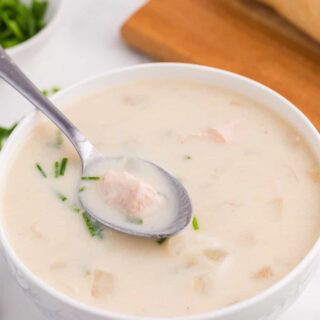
(12, 74)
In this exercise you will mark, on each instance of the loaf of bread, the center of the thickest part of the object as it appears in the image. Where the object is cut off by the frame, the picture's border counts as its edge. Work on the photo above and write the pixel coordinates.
(305, 14)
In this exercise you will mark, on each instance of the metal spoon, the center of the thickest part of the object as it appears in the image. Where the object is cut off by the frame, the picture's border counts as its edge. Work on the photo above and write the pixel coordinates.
(11, 73)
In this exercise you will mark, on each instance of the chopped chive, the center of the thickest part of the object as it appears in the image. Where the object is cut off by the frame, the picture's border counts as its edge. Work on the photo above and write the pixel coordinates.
(195, 223)
(55, 89)
(56, 169)
(75, 208)
(134, 220)
(90, 178)
(62, 197)
(20, 20)
(41, 170)
(58, 140)
(63, 166)
(5, 133)
(38, 8)
(161, 241)
(82, 189)
(50, 91)
(60, 167)
(7, 43)
(93, 228)
(187, 157)
(89, 223)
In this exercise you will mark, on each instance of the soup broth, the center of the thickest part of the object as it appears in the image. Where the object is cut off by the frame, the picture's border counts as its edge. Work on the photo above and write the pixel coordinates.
(252, 179)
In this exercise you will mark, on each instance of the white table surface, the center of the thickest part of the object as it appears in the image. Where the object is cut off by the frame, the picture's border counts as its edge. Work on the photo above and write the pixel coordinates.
(86, 43)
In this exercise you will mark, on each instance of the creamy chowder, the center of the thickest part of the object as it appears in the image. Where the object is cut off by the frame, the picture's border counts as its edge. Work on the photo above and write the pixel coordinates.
(254, 184)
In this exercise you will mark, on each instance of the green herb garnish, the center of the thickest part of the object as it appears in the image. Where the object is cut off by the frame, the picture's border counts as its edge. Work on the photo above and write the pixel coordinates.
(195, 223)
(58, 140)
(187, 157)
(90, 178)
(56, 169)
(63, 166)
(39, 167)
(20, 21)
(45, 92)
(5, 133)
(134, 220)
(162, 240)
(82, 189)
(75, 208)
(55, 89)
(93, 227)
(62, 197)
(49, 92)
(60, 167)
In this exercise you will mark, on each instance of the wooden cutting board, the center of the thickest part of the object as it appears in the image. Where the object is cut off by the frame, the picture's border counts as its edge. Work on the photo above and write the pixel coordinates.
(238, 35)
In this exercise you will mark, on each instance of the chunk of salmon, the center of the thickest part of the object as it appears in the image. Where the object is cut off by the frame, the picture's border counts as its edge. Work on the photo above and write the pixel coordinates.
(223, 133)
(127, 192)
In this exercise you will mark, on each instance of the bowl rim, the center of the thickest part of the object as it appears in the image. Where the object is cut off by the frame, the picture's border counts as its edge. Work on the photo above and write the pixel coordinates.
(44, 32)
(215, 314)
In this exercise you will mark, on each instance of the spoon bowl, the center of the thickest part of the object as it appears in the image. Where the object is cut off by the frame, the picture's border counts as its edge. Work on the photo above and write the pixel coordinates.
(183, 207)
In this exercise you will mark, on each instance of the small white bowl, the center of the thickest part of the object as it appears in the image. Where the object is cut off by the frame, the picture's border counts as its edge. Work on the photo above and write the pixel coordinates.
(267, 305)
(52, 19)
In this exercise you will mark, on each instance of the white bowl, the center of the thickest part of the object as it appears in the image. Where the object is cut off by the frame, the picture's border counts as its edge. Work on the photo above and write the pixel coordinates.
(52, 19)
(265, 306)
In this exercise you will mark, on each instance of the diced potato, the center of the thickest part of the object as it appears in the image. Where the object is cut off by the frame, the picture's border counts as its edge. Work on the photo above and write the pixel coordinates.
(57, 265)
(263, 273)
(215, 255)
(199, 250)
(203, 283)
(102, 284)
(191, 261)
